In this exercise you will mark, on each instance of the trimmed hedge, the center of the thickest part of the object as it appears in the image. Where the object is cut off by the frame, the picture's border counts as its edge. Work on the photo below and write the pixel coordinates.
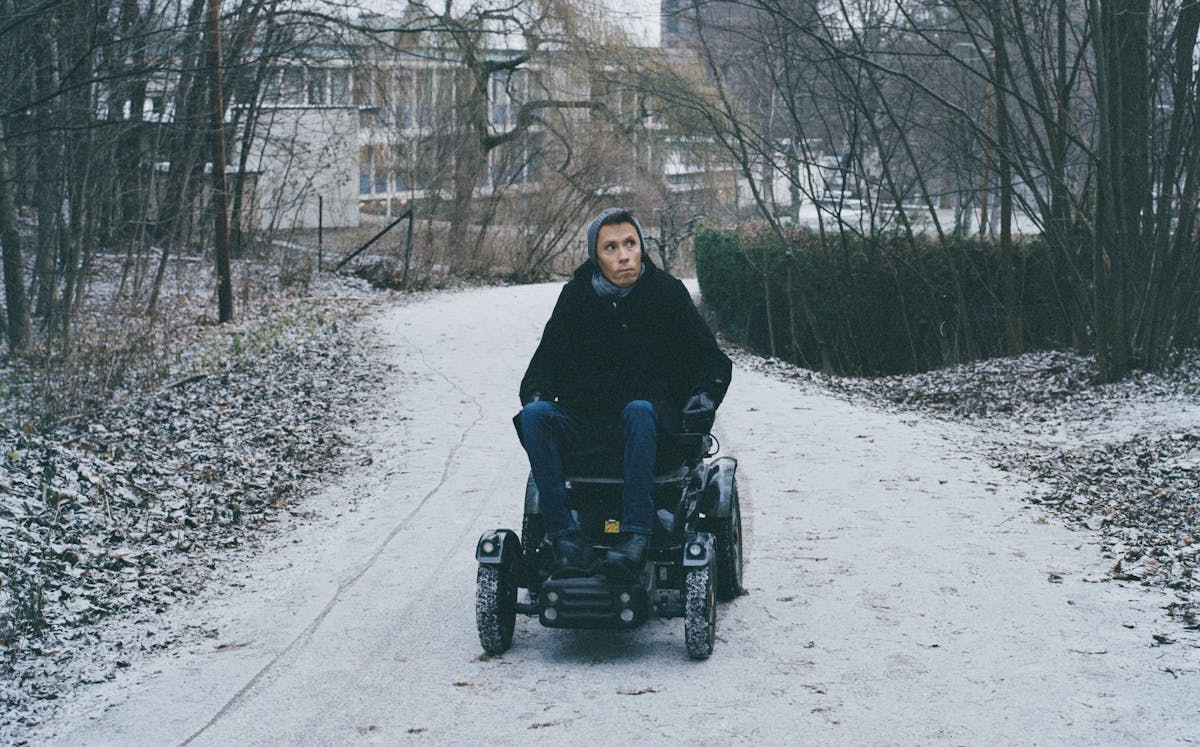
(858, 306)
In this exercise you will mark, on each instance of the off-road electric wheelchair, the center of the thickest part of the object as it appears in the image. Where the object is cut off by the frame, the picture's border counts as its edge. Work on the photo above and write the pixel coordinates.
(694, 557)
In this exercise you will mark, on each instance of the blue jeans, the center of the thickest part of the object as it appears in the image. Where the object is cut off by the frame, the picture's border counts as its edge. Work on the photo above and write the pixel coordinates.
(548, 430)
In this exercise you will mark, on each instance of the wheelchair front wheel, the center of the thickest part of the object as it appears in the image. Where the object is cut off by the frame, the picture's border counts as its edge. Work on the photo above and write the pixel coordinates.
(700, 611)
(495, 607)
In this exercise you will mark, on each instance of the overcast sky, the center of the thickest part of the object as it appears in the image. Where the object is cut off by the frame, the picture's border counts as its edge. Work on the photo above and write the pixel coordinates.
(641, 17)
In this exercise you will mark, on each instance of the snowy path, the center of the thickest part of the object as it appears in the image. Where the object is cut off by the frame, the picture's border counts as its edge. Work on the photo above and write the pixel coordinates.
(899, 593)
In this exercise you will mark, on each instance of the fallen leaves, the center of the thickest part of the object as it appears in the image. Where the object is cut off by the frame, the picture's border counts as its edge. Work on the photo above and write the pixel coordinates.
(1136, 497)
(126, 509)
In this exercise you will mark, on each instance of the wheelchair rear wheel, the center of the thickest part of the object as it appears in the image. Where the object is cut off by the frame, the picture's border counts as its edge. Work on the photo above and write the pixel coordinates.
(729, 551)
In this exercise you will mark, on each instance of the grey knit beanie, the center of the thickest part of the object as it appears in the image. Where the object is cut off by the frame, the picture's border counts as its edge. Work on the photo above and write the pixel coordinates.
(593, 230)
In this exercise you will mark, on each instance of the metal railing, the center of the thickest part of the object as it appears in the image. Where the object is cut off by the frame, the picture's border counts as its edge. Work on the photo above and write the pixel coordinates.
(406, 215)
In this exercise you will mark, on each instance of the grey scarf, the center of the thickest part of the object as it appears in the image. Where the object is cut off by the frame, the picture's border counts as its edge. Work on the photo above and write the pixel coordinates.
(605, 288)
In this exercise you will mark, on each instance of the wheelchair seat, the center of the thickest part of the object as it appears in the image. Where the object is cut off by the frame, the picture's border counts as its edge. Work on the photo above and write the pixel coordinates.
(604, 462)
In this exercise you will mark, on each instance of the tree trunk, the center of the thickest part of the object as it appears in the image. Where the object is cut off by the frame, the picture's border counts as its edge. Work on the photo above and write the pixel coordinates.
(16, 304)
(1012, 301)
(219, 205)
(48, 163)
(1122, 176)
(470, 158)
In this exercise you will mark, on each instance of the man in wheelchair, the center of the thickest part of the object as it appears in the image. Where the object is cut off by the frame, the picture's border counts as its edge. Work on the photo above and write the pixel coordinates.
(625, 358)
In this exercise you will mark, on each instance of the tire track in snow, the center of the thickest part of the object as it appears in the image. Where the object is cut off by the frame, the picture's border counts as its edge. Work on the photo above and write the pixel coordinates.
(310, 630)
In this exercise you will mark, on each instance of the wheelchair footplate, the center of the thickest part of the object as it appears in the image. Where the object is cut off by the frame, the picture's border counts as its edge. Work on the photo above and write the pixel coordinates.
(592, 602)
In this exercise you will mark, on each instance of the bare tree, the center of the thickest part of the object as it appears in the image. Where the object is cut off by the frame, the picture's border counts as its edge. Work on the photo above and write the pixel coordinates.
(676, 223)
(495, 50)
(902, 109)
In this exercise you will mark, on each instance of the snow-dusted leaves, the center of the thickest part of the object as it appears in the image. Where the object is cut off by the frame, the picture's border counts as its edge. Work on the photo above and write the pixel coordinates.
(1143, 497)
(123, 509)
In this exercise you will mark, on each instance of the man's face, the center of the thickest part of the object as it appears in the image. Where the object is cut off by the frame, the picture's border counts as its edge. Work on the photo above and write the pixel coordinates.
(619, 252)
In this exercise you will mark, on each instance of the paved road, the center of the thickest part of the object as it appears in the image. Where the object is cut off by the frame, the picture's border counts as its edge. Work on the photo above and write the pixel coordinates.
(899, 593)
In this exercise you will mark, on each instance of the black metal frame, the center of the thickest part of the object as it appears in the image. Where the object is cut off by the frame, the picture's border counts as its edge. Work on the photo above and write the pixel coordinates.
(689, 499)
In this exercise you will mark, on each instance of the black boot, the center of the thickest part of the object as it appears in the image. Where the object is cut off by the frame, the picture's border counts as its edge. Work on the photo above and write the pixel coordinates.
(573, 555)
(627, 559)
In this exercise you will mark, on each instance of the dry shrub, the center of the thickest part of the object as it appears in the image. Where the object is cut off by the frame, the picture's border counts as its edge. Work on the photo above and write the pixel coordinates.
(112, 344)
(296, 272)
(544, 235)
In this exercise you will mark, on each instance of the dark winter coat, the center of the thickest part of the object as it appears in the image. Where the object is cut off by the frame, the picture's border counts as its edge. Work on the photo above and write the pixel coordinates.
(652, 345)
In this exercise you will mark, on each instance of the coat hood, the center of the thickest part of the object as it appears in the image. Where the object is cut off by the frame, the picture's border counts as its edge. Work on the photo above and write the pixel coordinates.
(593, 231)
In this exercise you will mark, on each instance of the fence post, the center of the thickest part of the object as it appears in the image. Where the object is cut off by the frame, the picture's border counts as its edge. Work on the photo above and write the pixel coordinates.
(408, 244)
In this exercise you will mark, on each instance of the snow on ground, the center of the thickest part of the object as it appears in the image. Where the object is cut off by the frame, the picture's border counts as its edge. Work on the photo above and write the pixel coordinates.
(112, 513)
(909, 580)
(1122, 459)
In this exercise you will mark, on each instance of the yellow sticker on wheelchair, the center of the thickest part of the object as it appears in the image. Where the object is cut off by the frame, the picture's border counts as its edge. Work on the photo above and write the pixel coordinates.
(612, 526)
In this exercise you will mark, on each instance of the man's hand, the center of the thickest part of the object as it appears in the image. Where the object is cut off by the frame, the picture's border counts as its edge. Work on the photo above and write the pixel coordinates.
(532, 397)
(699, 413)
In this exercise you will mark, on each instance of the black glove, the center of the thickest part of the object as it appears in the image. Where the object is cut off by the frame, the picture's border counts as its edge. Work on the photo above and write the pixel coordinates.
(699, 413)
(534, 396)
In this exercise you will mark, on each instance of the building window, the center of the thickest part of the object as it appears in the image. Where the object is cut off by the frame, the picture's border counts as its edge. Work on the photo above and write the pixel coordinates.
(291, 85)
(369, 117)
(424, 95)
(431, 157)
(404, 100)
(515, 162)
(399, 167)
(381, 169)
(364, 170)
(422, 171)
(339, 87)
(375, 170)
(316, 86)
(671, 16)
(629, 105)
(245, 85)
(602, 95)
(445, 94)
(364, 91)
(507, 96)
(537, 144)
